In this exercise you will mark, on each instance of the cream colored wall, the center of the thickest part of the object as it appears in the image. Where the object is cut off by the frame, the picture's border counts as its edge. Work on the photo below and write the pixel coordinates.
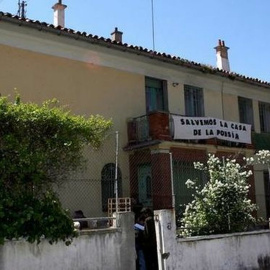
(176, 99)
(230, 107)
(213, 107)
(211, 90)
(86, 89)
(234, 89)
(92, 79)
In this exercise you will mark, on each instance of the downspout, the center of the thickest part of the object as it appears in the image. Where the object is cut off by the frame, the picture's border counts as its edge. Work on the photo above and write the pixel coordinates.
(116, 176)
(172, 181)
(222, 101)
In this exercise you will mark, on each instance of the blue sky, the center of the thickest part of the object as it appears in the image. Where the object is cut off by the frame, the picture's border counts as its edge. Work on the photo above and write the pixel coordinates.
(189, 29)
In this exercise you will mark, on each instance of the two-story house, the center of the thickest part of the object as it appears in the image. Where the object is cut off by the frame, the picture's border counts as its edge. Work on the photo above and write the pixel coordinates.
(169, 111)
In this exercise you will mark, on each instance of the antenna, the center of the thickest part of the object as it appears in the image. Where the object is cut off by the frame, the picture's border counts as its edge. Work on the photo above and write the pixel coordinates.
(153, 25)
(22, 9)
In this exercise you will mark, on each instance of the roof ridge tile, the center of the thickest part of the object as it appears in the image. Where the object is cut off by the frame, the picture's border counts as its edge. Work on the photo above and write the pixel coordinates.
(152, 53)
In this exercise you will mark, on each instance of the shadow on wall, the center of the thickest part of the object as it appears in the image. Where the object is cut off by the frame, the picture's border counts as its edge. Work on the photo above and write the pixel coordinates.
(264, 262)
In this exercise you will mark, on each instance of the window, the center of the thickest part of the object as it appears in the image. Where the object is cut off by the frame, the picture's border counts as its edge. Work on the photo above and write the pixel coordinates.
(246, 111)
(156, 95)
(108, 184)
(264, 110)
(194, 104)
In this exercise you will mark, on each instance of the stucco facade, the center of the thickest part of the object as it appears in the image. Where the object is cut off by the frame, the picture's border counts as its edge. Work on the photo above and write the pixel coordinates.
(94, 75)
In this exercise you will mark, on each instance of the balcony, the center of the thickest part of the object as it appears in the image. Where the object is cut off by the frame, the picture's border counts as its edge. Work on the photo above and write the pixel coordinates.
(151, 127)
(159, 126)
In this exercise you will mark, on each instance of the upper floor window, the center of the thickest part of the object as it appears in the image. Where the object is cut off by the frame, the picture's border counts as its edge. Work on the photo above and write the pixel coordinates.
(156, 95)
(108, 184)
(194, 104)
(246, 111)
(264, 110)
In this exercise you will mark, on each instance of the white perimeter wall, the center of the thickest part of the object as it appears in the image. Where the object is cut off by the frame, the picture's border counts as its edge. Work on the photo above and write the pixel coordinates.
(249, 251)
(110, 249)
(114, 249)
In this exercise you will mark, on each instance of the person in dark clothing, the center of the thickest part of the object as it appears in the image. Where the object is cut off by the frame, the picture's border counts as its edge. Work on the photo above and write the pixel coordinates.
(136, 208)
(79, 214)
(139, 243)
(150, 244)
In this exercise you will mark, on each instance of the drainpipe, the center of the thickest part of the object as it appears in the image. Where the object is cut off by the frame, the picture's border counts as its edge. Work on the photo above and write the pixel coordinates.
(222, 99)
(116, 171)
(172, 181)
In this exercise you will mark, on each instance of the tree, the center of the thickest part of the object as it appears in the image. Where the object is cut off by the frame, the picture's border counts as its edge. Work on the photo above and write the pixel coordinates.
(40, 146)
(222, 205)
(261, 157)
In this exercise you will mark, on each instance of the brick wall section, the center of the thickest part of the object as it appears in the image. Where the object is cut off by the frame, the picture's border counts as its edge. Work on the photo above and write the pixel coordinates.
(201, 155)
(161, 172)
(188, 154)
(161, 177)
(159, 126)
(133, 177)
(132, 132)
(161, 181)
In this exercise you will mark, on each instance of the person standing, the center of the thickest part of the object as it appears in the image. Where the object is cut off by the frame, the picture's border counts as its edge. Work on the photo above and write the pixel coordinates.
(150, 244)
(139, 243)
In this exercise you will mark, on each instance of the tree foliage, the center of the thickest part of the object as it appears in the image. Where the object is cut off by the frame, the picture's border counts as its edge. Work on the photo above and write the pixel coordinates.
(222, 205)
(260, 157)
(40, 145)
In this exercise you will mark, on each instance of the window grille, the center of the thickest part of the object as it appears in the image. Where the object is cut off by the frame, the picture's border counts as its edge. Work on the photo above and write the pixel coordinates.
(108, 184)
(246, 111)
(194, 102)
(264, 110)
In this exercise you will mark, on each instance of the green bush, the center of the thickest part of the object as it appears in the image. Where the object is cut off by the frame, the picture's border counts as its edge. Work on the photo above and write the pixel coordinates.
(40, 145)
(35, 218)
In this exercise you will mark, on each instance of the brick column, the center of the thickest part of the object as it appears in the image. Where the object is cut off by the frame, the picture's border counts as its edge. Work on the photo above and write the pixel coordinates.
(161, 179)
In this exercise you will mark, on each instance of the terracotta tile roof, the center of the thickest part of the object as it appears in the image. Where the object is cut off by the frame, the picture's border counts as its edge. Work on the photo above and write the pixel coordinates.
(107, 42)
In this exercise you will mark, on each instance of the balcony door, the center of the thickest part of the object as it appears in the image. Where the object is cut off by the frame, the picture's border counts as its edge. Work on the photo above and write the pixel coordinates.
(156, 95)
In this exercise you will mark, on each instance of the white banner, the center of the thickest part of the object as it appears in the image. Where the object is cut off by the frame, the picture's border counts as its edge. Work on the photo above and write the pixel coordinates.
(193, 128)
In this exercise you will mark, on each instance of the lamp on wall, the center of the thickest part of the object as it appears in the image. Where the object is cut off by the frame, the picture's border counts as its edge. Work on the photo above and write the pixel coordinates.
(174, 84)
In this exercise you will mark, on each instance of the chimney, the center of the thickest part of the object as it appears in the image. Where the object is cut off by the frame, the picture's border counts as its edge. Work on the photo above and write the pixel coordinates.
(59, 14)
(222, 56)
(116, 35)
